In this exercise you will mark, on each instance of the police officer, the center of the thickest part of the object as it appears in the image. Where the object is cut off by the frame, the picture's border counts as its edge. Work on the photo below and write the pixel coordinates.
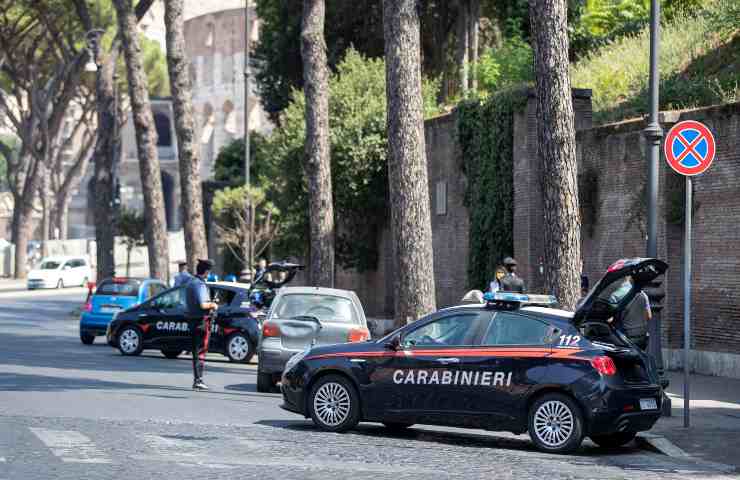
(511, 281)
(633, 320)
(183, 276)
(199, 309)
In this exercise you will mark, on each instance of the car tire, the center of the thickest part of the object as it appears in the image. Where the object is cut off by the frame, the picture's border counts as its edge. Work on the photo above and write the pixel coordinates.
(239, 348)
(171, 354)
(87, 339)
(334, 404)
(265, 384)
(555, 423)
(397, 426)
(130, 341)
(614, 440)
(60, 284)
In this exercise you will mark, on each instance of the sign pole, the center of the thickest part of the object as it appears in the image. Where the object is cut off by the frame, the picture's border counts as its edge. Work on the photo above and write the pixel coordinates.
(687, 301)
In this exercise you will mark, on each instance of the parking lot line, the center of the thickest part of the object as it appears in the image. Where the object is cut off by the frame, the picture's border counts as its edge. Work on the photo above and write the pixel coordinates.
(70, 446)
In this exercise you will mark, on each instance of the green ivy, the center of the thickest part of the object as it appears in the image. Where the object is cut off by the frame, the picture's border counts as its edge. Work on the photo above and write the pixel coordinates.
(486, 136)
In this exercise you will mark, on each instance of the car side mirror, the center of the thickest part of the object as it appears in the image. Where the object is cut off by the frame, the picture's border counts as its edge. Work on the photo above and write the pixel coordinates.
(394, 343)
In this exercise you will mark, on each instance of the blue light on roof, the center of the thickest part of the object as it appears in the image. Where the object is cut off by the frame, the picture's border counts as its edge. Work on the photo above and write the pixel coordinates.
(513, 297)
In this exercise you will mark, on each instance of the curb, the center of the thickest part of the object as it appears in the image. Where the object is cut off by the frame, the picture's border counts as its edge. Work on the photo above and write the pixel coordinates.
(660, 444)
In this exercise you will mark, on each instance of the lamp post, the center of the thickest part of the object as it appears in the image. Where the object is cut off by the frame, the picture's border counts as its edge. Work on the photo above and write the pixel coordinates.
(247, 156)
(654, 134)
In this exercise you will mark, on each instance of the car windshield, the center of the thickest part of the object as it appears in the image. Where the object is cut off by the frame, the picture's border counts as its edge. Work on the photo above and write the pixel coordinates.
(119, 288)
(50, 265)
(326, 308)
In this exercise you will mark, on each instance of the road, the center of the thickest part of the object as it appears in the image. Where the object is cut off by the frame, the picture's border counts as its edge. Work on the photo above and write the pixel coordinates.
(69, 411)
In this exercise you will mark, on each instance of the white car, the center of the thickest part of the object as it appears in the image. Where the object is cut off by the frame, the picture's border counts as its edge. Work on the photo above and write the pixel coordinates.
(60, 272)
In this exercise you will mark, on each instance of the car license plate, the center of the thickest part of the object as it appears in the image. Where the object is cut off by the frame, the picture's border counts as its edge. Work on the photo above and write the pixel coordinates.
(648, 404)
(110, 309)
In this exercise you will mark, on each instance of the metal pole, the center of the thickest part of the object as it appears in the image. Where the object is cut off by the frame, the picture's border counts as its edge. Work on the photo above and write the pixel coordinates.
(687, 302)
(655, 132)
(247, 159)
(114, 163)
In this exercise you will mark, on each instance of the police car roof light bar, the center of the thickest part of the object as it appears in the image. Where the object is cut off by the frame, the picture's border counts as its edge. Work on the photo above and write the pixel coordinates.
(514, 300)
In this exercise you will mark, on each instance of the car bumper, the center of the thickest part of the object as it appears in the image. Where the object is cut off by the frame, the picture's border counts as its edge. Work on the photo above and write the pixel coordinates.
(34, 283)
(291, 386)
(273, 361)
(620, 411)
(94, 324)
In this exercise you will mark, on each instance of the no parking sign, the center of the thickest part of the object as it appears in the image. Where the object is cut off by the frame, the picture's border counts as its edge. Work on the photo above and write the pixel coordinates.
(689, 150)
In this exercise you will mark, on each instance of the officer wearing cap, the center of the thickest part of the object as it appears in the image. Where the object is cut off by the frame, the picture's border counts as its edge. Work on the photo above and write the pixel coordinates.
(199, 309)
(511, 281)
(183, 276)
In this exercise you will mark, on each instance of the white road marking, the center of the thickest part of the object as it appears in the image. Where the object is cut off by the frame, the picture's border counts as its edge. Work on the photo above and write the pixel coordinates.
(70, 446)
(2, 459)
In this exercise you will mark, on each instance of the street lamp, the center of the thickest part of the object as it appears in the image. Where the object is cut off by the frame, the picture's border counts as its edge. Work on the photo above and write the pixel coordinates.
(247, 160)
(654, 134)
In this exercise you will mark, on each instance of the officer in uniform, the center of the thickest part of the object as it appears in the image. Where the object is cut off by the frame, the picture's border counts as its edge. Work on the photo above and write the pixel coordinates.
(633, 320)
(199, 309)
(511, 281)
(183, 276)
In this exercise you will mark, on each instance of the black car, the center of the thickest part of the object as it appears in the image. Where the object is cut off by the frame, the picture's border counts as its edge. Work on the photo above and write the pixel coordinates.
(160, 323)
(508, 364)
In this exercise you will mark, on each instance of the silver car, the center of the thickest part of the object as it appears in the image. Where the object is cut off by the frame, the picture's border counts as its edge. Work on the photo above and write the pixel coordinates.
(304, 316)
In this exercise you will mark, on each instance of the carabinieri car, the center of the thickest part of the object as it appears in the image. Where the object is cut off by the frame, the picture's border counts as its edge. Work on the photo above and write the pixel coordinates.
(160, 323)
(508, 364)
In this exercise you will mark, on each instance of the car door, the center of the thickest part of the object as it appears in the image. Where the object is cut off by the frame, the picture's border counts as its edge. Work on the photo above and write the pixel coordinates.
(224, 316)
(68, 273)
(424, 377)
(164, 317)
(517, 347)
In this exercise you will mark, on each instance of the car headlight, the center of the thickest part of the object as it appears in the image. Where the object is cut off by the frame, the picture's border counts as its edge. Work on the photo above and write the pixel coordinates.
(293, 361)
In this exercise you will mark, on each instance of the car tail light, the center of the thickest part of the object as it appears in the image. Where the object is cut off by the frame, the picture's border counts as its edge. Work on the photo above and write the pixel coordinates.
(88, 306)
(358, 335)
(270, 330)
(604, 365)
(120, 279)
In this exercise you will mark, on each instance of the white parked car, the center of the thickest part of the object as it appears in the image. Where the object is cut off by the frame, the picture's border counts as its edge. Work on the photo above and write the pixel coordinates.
(60, 272)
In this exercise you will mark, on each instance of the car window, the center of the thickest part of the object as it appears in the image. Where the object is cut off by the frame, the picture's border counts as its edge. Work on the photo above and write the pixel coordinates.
(121, 288)
(50, 265)
(326, 308)
(222, 296)
(153, 289)
(172, 299)
(514, 329)
(452, 330)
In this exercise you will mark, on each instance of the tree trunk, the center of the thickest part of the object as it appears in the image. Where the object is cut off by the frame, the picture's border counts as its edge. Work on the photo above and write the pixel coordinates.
(44, 192)
(318, 161)
(557, 150)
(187, 146)
(20, 234)
(155, 233)
(463, 44)
(474, 37)
(105, 150)
(407, 164)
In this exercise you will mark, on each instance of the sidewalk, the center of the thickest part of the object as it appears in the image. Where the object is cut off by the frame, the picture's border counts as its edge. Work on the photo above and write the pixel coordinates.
(12, 285)
(714, 432)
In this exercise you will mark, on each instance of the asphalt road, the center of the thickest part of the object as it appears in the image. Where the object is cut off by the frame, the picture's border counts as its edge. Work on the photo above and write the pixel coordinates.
(73, 411)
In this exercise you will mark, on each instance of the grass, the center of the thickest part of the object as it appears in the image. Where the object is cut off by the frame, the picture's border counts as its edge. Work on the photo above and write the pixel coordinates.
(699, 65)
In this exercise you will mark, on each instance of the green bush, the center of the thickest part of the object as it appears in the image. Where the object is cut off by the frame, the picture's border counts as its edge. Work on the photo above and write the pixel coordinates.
(510, 64)
(696, 58)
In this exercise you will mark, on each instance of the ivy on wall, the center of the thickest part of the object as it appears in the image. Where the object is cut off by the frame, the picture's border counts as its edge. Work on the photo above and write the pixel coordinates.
(485, 132)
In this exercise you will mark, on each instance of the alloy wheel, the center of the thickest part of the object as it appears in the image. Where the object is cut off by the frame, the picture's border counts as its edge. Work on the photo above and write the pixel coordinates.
(554, 423)
(332, 404)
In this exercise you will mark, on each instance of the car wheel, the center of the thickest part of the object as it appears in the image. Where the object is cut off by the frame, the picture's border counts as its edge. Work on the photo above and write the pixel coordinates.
(334, 404)
(130, 341)
(87, 339)
(614, 440)
(397, 426)
(556, 423)
(265, 384)
(239, 349)
(60, 283)
(171, 354)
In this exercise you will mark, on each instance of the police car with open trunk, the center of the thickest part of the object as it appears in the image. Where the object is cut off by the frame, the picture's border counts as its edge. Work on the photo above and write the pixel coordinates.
(513, 363)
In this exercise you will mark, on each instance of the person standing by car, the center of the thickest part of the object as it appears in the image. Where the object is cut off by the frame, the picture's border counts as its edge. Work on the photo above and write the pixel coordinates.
(199, 308)
(495, 285)
(511, 281)
(183, 276)
(633, 320)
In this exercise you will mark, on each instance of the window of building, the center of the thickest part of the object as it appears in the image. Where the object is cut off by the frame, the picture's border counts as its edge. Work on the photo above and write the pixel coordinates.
(164, 129)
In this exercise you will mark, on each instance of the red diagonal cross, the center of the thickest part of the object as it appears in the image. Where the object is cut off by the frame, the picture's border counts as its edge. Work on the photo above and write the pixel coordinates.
(689, 148)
